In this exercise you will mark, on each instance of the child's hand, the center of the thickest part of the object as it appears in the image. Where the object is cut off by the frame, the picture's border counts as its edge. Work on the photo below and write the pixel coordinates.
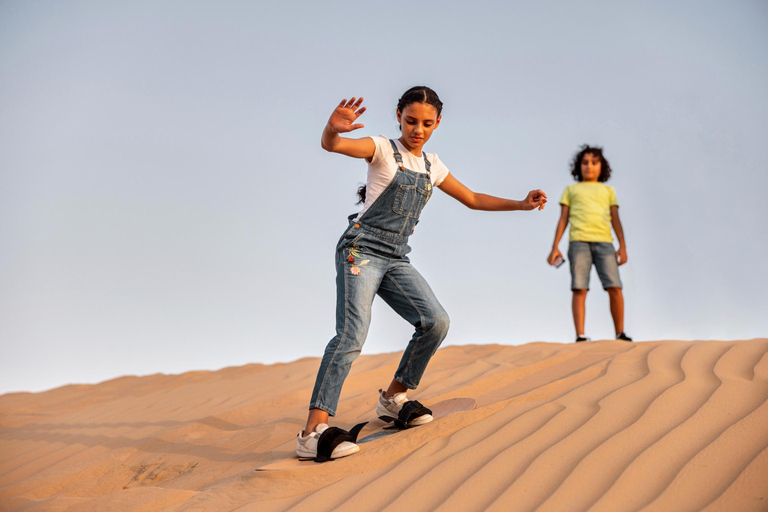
(534, 199)
(621, 255)
(345, 114)
(554, 255)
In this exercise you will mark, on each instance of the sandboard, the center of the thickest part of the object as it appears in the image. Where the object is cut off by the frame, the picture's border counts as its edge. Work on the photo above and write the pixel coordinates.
(439, 410)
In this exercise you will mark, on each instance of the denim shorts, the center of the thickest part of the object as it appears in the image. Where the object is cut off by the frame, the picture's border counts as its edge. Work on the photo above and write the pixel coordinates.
(581, 256)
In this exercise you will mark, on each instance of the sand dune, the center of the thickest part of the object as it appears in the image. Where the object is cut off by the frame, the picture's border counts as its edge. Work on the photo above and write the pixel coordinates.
(604, 426)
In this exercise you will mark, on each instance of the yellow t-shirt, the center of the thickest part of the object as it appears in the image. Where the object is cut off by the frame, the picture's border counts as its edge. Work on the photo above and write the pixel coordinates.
(590, 211)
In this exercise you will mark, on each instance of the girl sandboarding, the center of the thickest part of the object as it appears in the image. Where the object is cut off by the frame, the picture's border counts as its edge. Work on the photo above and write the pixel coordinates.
(371, 259)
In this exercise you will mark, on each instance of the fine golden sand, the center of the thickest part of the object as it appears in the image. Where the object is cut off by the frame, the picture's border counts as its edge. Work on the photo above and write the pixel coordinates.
(603, 426)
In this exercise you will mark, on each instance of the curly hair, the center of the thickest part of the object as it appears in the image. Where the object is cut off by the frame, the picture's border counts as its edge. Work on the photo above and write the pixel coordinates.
(605, 167)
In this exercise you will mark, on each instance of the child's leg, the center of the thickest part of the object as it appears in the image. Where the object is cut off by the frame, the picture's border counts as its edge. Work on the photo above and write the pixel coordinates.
(604, 256)
(579, 307)
(408, 293)
(354, 295)
(617, 308)
(315, 417)
(580, 263)
(394, 388)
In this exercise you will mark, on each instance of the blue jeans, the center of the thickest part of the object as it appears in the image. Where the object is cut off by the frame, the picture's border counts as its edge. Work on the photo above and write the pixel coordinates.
(388, 273)
(581, 256)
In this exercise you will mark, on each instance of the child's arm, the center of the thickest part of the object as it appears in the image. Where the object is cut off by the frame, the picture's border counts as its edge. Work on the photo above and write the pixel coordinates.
(621, 254)
(341, 122)
(477, 201)
(561, 225)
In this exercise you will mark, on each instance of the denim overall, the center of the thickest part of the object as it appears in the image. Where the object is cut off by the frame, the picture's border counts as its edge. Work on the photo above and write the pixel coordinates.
(371, 259)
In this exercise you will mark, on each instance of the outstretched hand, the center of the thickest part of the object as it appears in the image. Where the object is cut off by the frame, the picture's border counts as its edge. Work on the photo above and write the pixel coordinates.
(343, 117)
(534, 199)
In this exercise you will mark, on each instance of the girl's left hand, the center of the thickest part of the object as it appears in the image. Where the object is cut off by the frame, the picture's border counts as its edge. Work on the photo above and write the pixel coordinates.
(534, 199)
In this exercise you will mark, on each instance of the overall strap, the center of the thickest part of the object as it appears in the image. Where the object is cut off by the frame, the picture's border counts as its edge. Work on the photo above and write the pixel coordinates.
(398, 156)
(399, 160)
(427, 165)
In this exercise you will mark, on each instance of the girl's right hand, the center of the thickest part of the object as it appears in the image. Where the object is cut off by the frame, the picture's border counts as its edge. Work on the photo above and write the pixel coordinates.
(553, 256)
(345, 114)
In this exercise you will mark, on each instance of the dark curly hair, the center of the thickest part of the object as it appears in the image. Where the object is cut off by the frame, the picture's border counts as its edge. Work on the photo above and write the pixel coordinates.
(605, 167)
(417, 94)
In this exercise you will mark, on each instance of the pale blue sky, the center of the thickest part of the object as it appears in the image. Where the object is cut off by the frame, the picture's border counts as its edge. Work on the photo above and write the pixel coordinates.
(165, 205)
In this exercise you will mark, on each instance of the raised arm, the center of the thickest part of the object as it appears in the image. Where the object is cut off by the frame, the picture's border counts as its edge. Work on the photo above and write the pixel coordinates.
(561, 225)
(342, 120)
(621, 254)
(477, 201)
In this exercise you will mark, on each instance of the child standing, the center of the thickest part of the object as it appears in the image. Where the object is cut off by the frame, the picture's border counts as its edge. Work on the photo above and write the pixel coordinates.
(371, 260)
(591, 208)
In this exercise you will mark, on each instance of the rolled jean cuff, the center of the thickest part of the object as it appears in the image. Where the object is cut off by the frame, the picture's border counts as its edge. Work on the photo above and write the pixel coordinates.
(330, 411)
(405, 382)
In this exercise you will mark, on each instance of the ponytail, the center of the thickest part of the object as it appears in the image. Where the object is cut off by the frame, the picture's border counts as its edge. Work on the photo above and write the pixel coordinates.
(361, 195)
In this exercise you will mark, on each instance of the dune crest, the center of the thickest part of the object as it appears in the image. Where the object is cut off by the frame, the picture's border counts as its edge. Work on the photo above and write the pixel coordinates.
(604, 426)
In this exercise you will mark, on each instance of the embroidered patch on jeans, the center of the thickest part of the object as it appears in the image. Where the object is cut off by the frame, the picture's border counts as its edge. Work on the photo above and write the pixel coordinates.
(356, 268)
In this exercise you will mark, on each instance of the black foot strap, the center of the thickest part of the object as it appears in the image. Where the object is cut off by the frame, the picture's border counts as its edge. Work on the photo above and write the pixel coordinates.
(333, 437)
(411, 410)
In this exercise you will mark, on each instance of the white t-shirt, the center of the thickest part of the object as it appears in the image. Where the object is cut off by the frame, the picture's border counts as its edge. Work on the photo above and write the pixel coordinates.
(383, 167)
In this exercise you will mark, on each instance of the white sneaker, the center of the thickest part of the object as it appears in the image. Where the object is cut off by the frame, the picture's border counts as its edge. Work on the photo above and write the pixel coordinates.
(306, 447)
(390, 407)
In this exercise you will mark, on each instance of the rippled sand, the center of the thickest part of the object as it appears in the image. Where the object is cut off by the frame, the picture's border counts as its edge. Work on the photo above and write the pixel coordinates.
(604, 426)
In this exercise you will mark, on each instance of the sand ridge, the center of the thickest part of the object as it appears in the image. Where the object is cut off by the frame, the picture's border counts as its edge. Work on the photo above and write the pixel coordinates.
(666, 425)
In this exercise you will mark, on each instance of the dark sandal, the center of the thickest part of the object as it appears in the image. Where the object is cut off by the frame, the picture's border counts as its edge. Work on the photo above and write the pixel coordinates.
(333, 437)
(411, 410)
